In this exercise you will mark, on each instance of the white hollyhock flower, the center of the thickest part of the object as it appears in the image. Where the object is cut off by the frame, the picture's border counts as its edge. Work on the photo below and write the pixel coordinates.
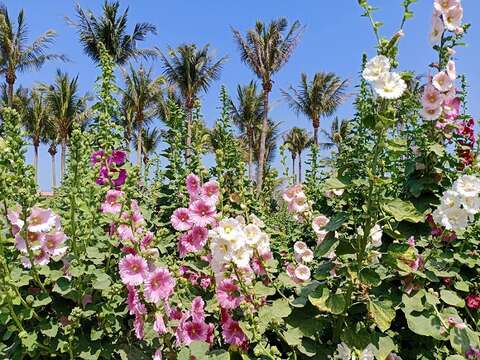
(302, 273)
(467, 185)
(376, 67)
(299, 247)
(442, 81)
(433, 113)
(453, 18)
(252, 234)
(390, 86)
(452, 70)
(256, 221)
(437, 30)
(376, 235)
(319, 222)
(307, 256)
(344, 352)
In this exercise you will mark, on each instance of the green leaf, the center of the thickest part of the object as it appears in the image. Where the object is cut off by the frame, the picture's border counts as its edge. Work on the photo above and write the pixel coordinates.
(333, 184)
(413, 303)
(262, 290)
(62, 286)
(403, 210)
(102, 281)
(42, 300)
(199, 349)
(49, 329)
(382, 313)
(326, 245)
(280, 308)
(369, 277)
(451, 298)
(293, 336)
(336, 303)
(336, 221)
(424, 325)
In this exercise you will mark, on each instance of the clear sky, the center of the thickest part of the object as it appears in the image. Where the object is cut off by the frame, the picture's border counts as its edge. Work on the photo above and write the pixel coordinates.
(336, 36)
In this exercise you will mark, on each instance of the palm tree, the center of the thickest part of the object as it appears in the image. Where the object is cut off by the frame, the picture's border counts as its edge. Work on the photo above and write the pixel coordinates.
(270, 142)
(110, 29)
(298, 140)
(266, 49)
(141, 95)
(15, 54)
(338, 133)
(36, 123)
(288, 141)
(151, 138)
(317, 98)
(65, 107)
(248, 115)
(192, 70)
(52, 139)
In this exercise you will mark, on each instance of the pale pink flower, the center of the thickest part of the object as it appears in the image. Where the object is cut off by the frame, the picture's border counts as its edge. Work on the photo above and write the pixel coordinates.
(210, 191)
(180, 219)
(159, 324)
(138, 326)
(321, 235)
(53, 243)
(202, 213)
(453, 18)
(290, 193)
(437, 29)
(146, 240)
(432, 98)
(40, 220)
(112, 204)
(193, 185)
(299, 247)
(299, 204)
(228, 294)
(125, 232)
(431, 113)
(13, 217)
(158, 285)
(452, 70)
(133, 269)
(442, 81)
(134, 304)
(444, 5)
(302, 273)
(451, 108)
(197, 311)
(319, 222)
(158, 354)
(307, 256)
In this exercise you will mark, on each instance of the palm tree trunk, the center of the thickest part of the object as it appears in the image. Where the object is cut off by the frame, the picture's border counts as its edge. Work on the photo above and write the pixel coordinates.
(63, 157)
(263, 138)
(316, 125)
(139, 148)
(189, 133)
(300, 167)
(293, 169)
(10, 79)
(54, 172)
(250, 155)
(35, 162)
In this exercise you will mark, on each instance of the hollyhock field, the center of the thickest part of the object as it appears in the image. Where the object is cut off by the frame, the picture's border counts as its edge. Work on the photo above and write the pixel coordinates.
(374, 255)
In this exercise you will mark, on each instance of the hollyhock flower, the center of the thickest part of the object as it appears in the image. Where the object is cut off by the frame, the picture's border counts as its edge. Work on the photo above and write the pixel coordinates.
(321, 235)
(376, 234)
(103, 176)
(180, 219)
(302, 273)
(256, 221)
(13, 217)
(197, 312)
(473, 301)
(451, 70)
(134, 304)
(175, 314)
(376, 67)
(233, 334)
(299, 247)
(159, 324)
(125, 232)
(241, 257)
(299, 204)
(118, 157)
(451, 108)
(210, 191)
(192, 241)
(319, 222)
(205, 282)
(467, 186)
(252, 234)
(40, 220)
(139, 327)
(432, 98)
(41, 258)
(390, 86)
(120, 179)
(431, 113)
(96, 157)
(411, 241)
(290, 193)
(133, 269)
(146, 240)
(228, 294)
(307, 256)
(456, 322)
(453, 18)
(112, 205)
(194, 331)
(442, 81)
(159, 285)
(202, 213)
(53, 243)
(473, 353)
(437, 30)
(418, 263)
(158, 354)
(193, 185)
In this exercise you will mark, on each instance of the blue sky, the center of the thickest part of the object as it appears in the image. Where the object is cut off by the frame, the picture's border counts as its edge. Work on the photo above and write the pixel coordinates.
(334, 40)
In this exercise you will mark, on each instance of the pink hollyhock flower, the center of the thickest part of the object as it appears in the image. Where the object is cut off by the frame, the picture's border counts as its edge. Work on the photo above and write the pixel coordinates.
(133, 302)
(444, 5)
(437, 29)
(87, 299)
(202, 213)
(194, 331)
(418, 263)
(103, 176)
(473, 301)
(473, 353)
(112, 205)
(210, 191)
(159, 324)
(453, 18)
(228, 294)
(53, 243)
(96, 157)
(205, 282)
(138, 326)
(302, 273)
(299, 203)
(452, 69)
(146, 240)
(193, 185)
(133, 269)
(120, 179)
(233, 334)
(40, 220)
(192, 241)
(442, 81)
(158, 354)
(290, 193)
(451, 108)
(431, 97)
(411, 241)
(159, 285)
(118, 157)
(35, 241)
(431, 113)
(319, 222)
(299, 247)
(175, 314)
(197, 309)
(180, 219)
(41, 258)
(13, 217)
(125, 232)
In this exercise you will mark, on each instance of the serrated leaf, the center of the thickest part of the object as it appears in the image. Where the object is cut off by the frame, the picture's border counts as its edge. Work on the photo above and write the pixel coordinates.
(451, 298)
(382, 313)
(293, 336)
(403, 210)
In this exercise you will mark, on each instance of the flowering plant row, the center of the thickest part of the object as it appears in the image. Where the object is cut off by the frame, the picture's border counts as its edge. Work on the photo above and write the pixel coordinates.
(375, 258)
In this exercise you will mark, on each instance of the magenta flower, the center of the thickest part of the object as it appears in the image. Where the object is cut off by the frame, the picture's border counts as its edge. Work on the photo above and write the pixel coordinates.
(133, 269)
(40, 220)
(159, 324)
(194, 331)
(53, 243)
(193, 185)
(228, 294)
(180, 219)
(473, 301)
(159, 285)
(125, 232)
(205, 282)
(120, 179)
(133, 302)
(233, 334)
(146, 240)
(138, 326)
(451, 108)
(210, 191)
(192, 241)
(97, 157)
(202, 213)
(112, 204)
(118, 157)
(158, 354)
(197, 309)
